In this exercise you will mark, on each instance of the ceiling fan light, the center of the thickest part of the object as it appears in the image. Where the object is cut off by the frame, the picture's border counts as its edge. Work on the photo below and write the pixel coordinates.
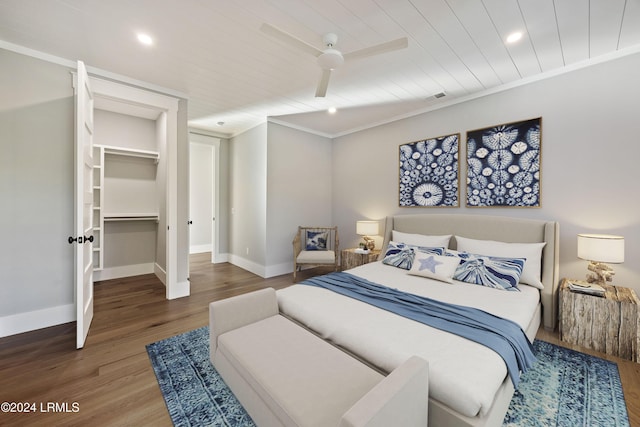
(330, 59)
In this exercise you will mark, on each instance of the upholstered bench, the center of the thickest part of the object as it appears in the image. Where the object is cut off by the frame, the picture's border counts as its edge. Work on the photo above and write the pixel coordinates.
(284, 375)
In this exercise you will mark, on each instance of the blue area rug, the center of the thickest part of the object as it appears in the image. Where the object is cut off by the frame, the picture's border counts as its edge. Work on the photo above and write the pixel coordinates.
(568, 388)
(564, 388)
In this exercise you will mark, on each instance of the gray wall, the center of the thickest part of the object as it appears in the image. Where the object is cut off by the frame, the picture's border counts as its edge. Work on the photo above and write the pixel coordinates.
(248, 199)
(280, 178)
(299, 181)
(590, 152)
(36, 185)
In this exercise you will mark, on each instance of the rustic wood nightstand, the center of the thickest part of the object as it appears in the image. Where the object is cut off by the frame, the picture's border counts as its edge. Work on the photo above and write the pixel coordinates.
(349, 258)
(608, 324)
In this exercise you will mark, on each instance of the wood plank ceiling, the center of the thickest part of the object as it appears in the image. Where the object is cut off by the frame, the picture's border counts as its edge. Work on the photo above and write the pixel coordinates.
(214, 51)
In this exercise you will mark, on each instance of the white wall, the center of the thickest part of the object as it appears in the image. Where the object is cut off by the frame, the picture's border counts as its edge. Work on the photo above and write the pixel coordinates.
(299, 181)
(590, 152)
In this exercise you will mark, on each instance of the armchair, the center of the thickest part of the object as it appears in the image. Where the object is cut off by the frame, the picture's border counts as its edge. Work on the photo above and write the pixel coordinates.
(315, 246)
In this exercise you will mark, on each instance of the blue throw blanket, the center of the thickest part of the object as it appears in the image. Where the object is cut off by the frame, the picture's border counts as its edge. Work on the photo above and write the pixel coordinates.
(501, 335)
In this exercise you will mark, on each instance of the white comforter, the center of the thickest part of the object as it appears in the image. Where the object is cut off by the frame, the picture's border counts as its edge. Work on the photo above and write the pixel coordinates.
(463, 375)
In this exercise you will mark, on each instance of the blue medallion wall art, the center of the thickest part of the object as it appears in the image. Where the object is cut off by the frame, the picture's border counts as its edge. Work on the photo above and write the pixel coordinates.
(429, 172)
(503, 165)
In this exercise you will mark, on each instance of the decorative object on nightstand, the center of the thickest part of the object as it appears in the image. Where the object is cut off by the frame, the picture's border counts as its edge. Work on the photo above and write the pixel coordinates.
(609, 324)
(586, 288)
(599, 249)
(354, 257)
(367, 229)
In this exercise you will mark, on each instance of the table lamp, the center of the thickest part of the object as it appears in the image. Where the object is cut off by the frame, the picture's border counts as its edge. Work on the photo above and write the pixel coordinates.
(366, 229)
(600, 249)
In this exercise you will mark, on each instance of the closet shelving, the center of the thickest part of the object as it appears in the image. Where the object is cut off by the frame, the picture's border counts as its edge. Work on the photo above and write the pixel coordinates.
(106, 214)
(130, 152)
(98, 202)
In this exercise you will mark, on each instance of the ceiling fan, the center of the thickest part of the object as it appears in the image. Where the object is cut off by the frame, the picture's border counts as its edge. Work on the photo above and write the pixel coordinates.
(330, 58)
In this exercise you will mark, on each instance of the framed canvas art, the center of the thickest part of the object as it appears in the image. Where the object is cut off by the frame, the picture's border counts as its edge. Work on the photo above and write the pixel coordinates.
(429, 172)
(503, 165)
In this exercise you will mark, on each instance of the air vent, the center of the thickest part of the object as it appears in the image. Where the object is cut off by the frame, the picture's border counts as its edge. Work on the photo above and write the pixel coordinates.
(440, 95)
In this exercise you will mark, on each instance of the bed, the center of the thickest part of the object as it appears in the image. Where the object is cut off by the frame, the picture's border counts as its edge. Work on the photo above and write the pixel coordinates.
(469, 383)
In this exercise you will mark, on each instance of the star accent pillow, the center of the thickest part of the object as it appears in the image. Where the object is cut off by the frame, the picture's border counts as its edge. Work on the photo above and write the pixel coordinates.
(433, 266)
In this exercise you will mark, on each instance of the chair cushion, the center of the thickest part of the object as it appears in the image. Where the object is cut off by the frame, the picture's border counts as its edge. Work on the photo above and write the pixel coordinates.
(303, 379)
(316, 257)
(316, 240)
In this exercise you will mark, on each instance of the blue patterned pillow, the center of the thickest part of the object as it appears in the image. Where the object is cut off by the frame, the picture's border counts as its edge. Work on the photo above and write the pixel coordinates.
(317, 240)
(493, 272)
(401, 255)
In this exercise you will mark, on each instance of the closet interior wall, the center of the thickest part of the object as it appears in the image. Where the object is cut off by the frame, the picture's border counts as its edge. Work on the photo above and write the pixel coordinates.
(128, 186)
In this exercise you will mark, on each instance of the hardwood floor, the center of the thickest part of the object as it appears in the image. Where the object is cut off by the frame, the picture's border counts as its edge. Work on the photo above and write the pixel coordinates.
(111, 379)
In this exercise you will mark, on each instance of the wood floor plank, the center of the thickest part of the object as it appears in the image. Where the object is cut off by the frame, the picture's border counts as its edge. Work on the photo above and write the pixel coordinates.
(112, 380)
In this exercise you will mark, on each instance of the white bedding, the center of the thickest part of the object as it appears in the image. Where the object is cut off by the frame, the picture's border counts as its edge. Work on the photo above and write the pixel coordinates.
(463, 375)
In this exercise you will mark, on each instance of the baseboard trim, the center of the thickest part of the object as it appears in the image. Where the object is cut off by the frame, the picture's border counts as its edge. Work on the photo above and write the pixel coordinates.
(218, 258)
(160, 273)
(261, 270)
(279, 269)
(198, 249)
(181, 289)
(247, 265)
(37, 319)
(123, 271)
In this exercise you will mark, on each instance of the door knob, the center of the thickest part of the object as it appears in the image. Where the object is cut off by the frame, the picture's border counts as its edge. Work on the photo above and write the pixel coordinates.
(81, 239)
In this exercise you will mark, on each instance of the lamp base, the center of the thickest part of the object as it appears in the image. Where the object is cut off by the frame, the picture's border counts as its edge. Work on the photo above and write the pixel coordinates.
(369, 243)
(602, 273)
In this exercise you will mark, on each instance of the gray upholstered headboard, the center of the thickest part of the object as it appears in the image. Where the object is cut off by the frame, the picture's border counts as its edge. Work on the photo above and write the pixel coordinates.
(503, 229)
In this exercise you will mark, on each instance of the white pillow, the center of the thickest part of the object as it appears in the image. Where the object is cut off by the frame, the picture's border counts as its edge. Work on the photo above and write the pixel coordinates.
(532, 252)
(434, 266)
(421, 239)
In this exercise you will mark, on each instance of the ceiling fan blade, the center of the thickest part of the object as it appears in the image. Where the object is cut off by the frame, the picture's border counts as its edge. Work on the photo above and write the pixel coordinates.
(290, 40)
(377, 49)
(321, 90)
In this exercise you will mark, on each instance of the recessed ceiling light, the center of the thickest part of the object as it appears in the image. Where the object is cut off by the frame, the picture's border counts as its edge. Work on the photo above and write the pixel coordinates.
(514, 37)
(332, 110)
(145, 39)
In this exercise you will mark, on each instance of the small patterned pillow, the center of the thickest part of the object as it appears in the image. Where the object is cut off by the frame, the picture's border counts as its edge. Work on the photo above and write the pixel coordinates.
(493, 272)
(401, 255)
(434, 266)
(317, 240)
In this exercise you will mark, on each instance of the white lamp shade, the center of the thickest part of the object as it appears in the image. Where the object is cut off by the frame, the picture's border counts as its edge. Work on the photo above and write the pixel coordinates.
(367, 228)
(601, 248)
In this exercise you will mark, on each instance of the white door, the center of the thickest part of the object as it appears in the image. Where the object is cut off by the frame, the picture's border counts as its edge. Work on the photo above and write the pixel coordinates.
(214, 237)
(200, 197)
(83, 239)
